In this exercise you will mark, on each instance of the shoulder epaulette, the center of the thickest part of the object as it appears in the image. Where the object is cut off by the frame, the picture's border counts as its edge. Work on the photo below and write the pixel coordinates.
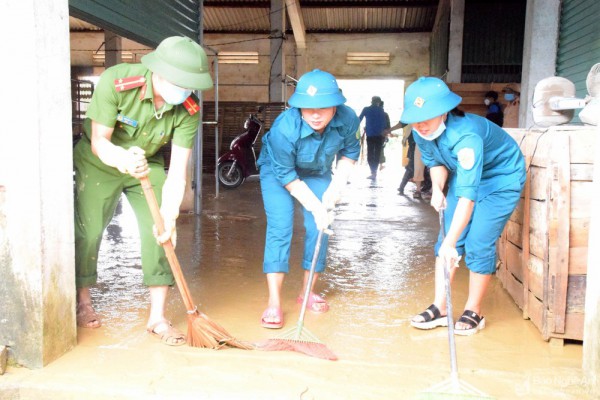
(191, 106)
(130, 82)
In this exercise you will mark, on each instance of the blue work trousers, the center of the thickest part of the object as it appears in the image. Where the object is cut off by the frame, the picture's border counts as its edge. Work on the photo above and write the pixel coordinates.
(279, 208)
(490, 215)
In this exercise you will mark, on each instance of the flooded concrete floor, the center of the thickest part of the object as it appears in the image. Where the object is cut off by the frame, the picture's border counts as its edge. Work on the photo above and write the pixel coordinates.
(380, 273)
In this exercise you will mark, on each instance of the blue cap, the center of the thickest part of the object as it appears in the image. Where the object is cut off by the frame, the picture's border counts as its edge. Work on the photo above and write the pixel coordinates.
(427, 98)
(317, 89)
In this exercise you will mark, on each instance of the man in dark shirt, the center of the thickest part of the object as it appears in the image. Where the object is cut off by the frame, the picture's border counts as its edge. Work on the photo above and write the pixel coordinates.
(375, 126)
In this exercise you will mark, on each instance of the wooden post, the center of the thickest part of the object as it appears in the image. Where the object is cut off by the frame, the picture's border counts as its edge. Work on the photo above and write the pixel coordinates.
(591, 332)
(525, 231)
(560, 208)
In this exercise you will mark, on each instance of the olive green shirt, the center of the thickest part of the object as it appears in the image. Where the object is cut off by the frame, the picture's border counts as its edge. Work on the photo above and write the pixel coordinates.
(132, 114)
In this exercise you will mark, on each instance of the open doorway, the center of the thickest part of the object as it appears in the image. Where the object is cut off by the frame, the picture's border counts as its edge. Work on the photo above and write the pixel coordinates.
(358, 93)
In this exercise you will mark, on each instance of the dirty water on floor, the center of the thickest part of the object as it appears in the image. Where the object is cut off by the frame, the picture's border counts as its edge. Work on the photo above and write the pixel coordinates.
(380, 273)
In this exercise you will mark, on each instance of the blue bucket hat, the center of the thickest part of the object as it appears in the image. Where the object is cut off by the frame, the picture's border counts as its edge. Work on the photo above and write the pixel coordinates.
(427, 98)
(317, 89)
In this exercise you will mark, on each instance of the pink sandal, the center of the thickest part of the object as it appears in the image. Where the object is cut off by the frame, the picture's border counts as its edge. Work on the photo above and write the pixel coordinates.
(316, 303)
(275, 313)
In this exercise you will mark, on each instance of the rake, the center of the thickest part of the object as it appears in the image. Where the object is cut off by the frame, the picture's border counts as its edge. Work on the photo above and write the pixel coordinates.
(299, 338)
(453, 387)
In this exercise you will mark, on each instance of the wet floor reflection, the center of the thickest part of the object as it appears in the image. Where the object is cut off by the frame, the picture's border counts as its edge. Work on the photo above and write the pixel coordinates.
(379, 274)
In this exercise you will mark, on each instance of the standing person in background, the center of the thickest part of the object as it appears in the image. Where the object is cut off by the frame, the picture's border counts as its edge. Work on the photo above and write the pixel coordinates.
(375, 126)
(511, 111)
(295, 163)
(494, 109)
(135, 110)
(484, 171)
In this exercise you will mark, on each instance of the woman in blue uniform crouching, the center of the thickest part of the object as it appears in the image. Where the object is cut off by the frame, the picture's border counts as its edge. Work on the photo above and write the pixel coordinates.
(484, 171)
(295, 163)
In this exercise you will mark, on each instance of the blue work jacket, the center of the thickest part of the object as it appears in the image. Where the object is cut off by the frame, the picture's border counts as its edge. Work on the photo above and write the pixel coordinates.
(293, 149)
(480, 156)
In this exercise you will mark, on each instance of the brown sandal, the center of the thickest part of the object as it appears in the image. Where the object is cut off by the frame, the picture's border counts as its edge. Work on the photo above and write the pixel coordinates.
(87, 317)
(170, 336)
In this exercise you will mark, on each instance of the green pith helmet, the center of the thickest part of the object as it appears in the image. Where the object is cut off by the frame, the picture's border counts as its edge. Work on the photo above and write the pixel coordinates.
(182, 62)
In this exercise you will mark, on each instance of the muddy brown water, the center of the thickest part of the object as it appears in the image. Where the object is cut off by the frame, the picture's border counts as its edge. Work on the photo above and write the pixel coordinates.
(380, 273)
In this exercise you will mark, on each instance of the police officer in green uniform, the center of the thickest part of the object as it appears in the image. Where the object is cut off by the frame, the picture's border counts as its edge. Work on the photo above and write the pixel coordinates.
(135, 110)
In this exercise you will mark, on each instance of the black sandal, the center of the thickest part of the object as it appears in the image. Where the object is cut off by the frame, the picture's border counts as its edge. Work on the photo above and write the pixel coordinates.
(471, 318)
(432, 318)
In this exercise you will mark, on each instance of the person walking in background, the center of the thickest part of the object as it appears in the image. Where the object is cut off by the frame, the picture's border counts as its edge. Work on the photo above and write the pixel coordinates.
(494, 109)
(295, 163)
(374, 130)
(414, 170)
(484, 171)
(135, 110)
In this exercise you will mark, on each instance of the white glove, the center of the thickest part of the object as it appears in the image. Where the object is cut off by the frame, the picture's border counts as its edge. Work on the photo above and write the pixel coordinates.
(172, 195)
(132, 161)
(308, 199)
(338, 182)
(449, 255)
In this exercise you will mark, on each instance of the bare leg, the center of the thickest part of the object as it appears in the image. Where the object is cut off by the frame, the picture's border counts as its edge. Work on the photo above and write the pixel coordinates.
(157, 321)
(84, 296)
(417, 192)
(315, 306)
(84, 299)
(440, 289)
(158, 298)
(275, 283)
(478, 284)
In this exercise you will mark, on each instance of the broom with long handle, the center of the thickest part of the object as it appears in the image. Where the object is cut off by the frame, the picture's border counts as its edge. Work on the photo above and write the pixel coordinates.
(453, 387)
(299, 338)
(202, 331)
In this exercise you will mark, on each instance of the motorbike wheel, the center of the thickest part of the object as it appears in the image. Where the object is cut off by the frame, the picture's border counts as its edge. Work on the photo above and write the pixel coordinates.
(229, 178)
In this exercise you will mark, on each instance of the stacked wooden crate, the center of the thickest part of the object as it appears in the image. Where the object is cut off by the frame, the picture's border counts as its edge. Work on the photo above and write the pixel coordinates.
(543, 249)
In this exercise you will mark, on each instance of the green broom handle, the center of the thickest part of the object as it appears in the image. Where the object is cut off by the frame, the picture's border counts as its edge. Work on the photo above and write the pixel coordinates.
(168, 246)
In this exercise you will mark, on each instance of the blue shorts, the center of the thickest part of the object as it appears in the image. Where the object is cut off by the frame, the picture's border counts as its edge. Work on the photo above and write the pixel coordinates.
(490, 214)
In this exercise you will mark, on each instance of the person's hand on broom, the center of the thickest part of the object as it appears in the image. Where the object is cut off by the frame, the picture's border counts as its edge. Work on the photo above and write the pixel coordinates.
(448, 254)
(172, 195)
(323, 218)
(338, 182)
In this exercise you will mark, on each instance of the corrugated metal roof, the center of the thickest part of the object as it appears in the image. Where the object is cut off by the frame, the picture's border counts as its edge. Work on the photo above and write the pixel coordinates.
(76, 24)
(324, 16)
(320, 16)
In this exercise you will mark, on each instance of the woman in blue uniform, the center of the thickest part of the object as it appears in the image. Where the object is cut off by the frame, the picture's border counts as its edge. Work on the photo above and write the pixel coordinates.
(295, 162)
(484, 171)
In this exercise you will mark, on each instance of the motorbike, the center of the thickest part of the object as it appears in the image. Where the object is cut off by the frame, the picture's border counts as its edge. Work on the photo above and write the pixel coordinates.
(239, 162)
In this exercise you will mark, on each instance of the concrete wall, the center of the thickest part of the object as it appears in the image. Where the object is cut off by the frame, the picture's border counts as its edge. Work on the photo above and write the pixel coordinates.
(539, 51)
(37, 283)
(249, 82)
